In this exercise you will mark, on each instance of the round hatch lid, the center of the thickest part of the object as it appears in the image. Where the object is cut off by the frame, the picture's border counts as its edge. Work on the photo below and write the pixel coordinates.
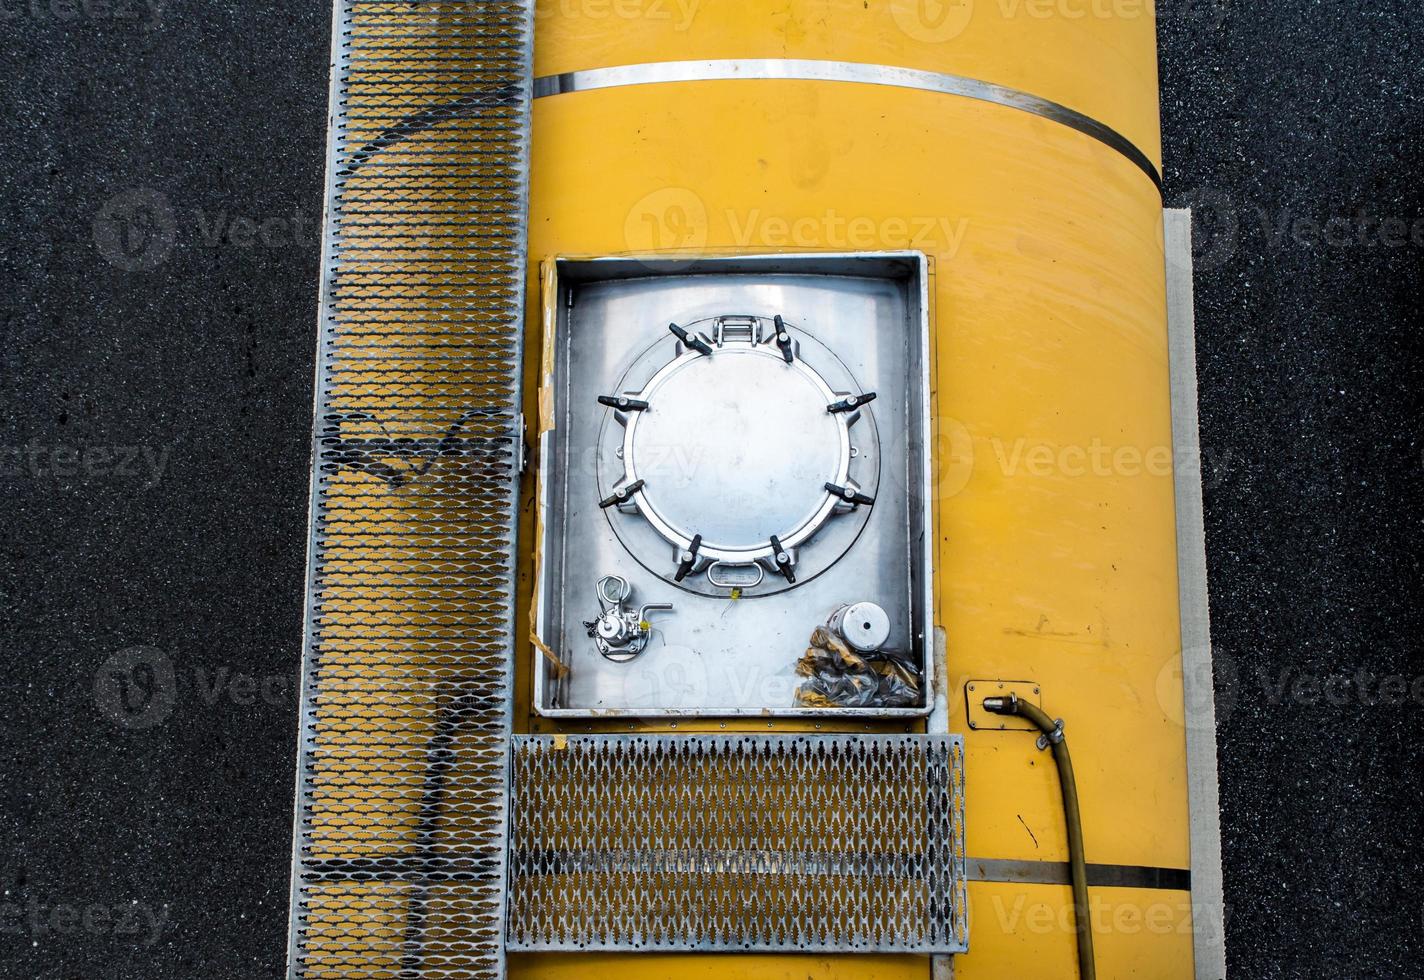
(735, 452)
(737, 447)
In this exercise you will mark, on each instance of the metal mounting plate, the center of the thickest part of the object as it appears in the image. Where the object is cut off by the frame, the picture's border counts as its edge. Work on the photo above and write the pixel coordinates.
(731, 643)
(980, 720)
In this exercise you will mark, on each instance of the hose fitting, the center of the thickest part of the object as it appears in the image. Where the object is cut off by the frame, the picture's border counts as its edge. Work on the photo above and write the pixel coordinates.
(1002, 706)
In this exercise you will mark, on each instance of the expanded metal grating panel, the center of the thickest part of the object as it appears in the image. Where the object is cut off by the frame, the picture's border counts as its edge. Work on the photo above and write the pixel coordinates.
(836, 843)
(399, 860)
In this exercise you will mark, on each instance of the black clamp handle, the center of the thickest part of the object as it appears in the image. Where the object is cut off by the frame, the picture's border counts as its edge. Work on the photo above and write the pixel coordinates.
(689, 558)
(624, 402)
(848, 495)
(690, 339)
(622, 494)
(783, 339)
(851, 403)
(782, 557)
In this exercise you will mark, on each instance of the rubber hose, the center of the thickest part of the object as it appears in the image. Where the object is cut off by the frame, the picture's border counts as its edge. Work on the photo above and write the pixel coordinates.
(1078, 865)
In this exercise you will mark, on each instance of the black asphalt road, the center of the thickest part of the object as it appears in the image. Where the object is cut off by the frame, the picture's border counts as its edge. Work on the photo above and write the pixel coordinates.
(156, 426)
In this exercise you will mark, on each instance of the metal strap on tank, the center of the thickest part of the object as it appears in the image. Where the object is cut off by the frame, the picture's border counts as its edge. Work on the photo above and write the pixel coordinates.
(1099, 875)
(399, 856)
(845, 71)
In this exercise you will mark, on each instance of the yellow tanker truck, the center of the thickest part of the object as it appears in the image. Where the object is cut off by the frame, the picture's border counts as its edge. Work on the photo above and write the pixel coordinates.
(753, 441)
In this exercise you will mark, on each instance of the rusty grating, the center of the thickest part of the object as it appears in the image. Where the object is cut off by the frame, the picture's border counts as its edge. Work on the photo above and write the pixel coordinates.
(817, 843)
(399, 852)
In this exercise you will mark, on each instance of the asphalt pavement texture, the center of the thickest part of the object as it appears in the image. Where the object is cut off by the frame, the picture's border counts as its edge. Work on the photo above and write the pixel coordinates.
(155, 419)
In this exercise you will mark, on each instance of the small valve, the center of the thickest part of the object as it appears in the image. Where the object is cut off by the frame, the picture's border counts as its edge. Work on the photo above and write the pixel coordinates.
(620, 633)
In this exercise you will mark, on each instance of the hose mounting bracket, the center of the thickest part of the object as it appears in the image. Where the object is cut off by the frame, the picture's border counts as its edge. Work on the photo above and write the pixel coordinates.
(1053, 737)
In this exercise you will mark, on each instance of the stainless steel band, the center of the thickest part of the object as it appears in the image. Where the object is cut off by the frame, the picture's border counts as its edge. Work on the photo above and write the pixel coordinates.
(845, 71)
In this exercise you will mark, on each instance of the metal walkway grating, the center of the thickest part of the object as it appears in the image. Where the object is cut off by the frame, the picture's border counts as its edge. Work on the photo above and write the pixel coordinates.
(399, 856)
(823, 843)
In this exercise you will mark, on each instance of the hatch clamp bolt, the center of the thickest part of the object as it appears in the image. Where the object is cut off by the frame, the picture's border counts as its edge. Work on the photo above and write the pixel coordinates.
(849, 495)
(622, 494)
(851, 402)
(782, 557)
(688, 558)
(783, 339)
(624, 403)
(690, 339)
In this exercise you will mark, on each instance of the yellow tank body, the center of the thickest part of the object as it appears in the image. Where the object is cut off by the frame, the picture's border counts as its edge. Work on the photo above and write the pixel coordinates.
(1055, 564)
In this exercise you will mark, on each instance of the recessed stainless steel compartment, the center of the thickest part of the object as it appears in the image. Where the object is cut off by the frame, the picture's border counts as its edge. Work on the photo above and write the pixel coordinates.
(733, 450)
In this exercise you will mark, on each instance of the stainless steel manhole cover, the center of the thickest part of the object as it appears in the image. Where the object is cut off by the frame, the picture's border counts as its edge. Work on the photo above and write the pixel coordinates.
(736, 452)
